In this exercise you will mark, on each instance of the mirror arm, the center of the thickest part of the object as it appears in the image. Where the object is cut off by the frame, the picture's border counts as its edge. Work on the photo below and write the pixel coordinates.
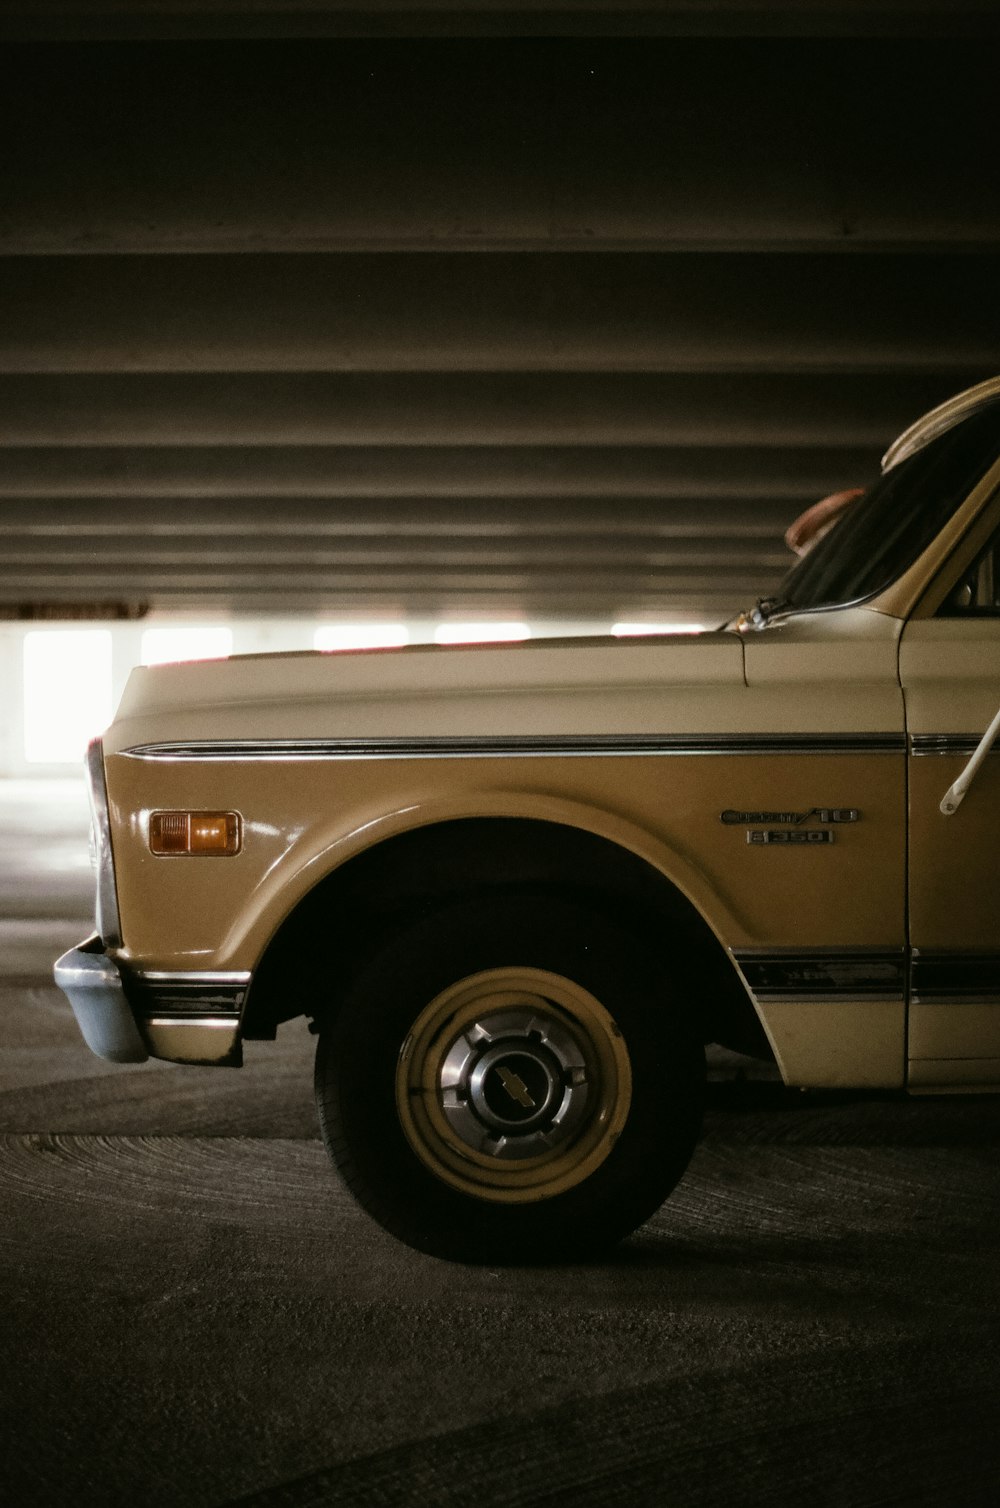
(955, 794)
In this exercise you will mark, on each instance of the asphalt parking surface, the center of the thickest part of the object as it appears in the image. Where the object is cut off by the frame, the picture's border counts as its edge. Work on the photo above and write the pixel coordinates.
(194, 1311)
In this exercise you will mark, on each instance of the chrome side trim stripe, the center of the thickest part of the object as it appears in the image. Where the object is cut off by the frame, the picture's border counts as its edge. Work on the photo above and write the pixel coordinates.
(823, 974)
(953, 978)
(209, 1023)
(193, 976)
(189, 995)
(961, 744)
(935, 978)
(609, 746)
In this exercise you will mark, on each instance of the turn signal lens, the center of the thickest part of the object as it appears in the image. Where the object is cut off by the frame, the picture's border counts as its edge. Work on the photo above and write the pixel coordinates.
(195, 832)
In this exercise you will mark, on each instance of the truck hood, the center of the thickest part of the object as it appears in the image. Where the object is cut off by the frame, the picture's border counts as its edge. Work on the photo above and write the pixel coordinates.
(570, 687)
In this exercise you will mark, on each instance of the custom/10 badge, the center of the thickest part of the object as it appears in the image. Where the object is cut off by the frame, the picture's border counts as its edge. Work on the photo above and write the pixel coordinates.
(793, 829)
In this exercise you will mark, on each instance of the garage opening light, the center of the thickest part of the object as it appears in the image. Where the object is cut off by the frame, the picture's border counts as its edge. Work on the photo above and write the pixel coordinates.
(67, 692)
(164, 646)
(340, 636)
(481, 633)
(633, 630)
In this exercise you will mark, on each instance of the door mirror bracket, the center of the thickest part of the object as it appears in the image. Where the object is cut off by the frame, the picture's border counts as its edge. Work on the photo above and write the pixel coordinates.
(955, 794)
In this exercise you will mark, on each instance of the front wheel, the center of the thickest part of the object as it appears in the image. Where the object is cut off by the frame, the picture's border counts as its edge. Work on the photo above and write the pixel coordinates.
(510, 1081)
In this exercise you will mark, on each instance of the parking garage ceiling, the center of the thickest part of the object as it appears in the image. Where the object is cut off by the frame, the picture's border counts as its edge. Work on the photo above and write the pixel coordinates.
(473, 309)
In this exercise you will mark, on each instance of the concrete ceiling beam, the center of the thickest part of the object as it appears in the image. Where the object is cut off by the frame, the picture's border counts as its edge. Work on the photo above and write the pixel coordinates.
(602, 557)
(742, 474)
(505, 409)
(540, 520)
(511, 582)
(597, 313)
(503, 144)
(174, 19)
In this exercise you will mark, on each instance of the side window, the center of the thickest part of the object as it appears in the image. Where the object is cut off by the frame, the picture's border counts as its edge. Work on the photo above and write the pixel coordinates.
(978, 592)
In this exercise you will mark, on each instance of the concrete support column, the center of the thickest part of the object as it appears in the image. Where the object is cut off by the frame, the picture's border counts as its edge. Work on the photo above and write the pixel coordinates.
(12, 681)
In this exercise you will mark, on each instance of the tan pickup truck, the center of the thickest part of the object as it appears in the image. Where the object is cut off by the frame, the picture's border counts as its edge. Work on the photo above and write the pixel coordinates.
(518, 889)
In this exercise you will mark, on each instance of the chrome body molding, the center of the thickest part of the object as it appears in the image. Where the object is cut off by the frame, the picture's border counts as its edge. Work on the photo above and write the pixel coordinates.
(945, 977)
(949, 977)
(940, 419)
(207, 1023)
(961, 744)
(823, 974)
(528, 746)
(106, 920)
(194, 976)
(191, 995)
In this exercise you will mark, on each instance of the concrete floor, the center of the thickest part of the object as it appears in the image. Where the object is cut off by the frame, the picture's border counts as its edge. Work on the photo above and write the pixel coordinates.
(194, 1312)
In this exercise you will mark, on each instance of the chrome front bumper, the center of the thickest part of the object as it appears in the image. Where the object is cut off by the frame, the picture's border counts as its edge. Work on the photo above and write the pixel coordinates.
(93, 987)
(181, 1017)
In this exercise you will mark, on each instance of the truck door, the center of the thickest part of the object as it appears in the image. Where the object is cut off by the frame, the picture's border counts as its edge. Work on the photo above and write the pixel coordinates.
(950, 673)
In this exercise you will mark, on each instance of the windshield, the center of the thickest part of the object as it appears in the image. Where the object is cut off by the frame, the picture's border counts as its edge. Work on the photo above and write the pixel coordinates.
(883, 533)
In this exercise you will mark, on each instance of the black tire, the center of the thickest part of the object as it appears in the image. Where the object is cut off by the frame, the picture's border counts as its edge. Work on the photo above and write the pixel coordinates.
(637, 1102)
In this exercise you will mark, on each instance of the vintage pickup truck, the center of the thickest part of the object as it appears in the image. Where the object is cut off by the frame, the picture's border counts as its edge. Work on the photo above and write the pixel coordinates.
(518, 889)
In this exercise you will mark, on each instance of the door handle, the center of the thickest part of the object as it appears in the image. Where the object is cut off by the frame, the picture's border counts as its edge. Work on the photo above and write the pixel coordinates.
(955, 794)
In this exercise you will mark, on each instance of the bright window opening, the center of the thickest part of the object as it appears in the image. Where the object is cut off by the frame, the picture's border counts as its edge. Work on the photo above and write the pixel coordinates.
(164, 646)
(481, 633)
(634, 630)
(334, 636)
(67, 692)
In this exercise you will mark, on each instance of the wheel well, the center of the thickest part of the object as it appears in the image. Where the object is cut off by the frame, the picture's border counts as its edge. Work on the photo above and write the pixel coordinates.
(340, 923)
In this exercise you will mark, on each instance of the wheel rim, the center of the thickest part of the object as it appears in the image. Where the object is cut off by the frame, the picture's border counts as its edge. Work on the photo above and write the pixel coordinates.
(513, 1085)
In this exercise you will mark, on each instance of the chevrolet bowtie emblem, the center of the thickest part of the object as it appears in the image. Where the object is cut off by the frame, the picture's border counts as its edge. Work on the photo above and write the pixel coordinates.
(516, 1088)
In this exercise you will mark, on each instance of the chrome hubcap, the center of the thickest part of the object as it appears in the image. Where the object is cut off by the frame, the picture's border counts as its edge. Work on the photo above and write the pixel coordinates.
(514, 1084)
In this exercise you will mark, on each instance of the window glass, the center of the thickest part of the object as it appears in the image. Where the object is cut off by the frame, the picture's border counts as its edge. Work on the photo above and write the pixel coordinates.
(883, 533)
(978, 592)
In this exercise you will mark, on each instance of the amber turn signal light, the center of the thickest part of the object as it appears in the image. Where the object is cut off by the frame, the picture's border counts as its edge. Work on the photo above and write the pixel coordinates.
(195, 833)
